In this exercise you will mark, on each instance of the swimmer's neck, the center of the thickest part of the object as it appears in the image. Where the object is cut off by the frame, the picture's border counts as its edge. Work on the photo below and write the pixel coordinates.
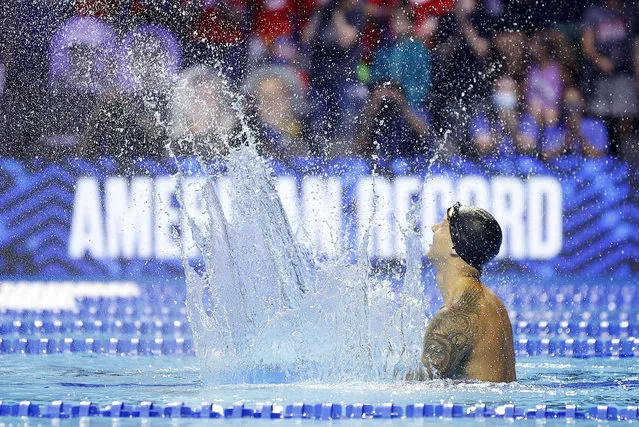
(453, 279)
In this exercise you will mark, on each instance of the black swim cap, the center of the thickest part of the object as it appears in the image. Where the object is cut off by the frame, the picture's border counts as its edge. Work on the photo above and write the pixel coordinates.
(476, 234)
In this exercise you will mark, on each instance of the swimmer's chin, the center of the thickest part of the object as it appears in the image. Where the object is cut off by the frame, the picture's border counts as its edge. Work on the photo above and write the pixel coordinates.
(429, 252)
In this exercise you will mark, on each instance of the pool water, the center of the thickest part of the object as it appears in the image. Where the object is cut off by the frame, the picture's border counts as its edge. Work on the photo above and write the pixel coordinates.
(103, 379)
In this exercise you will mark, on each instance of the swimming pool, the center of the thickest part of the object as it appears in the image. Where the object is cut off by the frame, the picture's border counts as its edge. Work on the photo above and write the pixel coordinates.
(575, 343)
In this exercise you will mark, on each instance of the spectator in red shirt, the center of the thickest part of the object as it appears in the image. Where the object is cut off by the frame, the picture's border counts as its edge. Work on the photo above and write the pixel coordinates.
(219, 35)
(277, 25)
(274, 18)
(426, 17)
(425, 8)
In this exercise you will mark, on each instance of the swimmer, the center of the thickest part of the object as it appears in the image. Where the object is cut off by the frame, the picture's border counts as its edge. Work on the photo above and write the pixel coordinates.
(470, 336)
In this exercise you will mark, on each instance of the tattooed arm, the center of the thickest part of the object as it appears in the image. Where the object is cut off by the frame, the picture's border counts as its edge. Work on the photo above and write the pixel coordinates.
(450, 338)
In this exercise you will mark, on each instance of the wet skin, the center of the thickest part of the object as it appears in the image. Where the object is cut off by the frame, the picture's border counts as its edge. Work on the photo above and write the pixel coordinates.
(471, 335)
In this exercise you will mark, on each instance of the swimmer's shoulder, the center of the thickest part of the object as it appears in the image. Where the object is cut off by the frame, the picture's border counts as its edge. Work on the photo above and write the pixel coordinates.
(469, 303)
(494, 304)
(482, 308)
(462, 314)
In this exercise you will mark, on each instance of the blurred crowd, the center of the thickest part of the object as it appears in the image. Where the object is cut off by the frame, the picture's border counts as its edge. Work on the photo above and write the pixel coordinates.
(328, 78)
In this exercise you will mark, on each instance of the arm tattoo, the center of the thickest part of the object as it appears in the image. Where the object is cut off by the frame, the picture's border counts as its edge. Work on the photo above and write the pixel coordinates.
(450, 337)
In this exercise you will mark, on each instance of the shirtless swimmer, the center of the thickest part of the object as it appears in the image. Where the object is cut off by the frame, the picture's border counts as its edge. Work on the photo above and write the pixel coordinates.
(470, 336)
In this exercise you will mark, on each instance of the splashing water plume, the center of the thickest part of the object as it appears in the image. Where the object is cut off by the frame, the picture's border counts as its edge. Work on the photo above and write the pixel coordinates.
(263, 308)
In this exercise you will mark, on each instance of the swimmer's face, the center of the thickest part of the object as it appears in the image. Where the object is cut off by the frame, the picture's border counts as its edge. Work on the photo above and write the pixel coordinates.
(442, 246)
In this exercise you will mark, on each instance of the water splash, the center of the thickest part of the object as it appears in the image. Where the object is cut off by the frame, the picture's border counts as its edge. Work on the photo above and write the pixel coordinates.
(264, 309)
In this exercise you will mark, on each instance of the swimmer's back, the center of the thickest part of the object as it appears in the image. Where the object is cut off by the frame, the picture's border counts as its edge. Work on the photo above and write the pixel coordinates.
(471, 338)
(493, 355)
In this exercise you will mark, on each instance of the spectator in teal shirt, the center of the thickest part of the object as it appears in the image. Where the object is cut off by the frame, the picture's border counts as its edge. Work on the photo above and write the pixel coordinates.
(405, 59)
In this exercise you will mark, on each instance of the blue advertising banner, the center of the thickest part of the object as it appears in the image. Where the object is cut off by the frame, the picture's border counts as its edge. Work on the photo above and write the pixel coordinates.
(99, 218)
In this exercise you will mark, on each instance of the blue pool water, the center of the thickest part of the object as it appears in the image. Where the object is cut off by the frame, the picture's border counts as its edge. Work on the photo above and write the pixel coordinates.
(576, 344)
(164, 379)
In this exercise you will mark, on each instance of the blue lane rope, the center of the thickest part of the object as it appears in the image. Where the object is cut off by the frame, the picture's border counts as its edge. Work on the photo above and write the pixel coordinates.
(25, 326)
(568, 347)
(113, 346)
(546, 319)
(578, 348)
(320, 411)
(582, 328)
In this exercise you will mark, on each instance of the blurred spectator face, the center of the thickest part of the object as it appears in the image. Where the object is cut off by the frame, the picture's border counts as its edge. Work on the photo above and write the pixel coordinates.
(400, 22)
(574, 103)
(505, 96)
(538, 48)
(466, 7)
(201, 106)
(512, 50)
(206, 110)
(274, 102)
